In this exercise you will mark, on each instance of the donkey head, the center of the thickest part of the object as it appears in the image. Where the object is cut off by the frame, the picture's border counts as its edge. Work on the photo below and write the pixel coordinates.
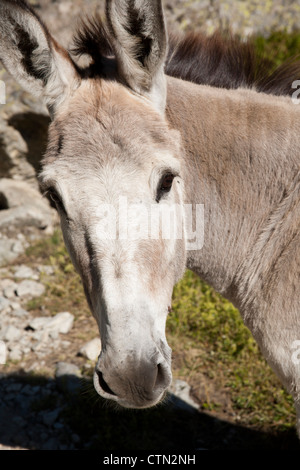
(111, 163)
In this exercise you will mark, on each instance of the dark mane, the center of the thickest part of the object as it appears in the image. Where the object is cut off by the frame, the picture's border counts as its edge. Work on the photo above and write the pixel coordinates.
(220, 60)
(225, 61)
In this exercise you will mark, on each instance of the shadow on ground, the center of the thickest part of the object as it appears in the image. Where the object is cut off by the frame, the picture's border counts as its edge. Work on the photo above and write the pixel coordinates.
(44, 414)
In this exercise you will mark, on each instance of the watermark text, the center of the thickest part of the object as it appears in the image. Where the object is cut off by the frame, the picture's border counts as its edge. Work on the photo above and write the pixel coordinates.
(2, 92)
(162, 221)
(295, 346)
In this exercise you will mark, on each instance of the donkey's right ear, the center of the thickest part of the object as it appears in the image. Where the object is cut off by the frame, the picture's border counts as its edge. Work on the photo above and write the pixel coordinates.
(32, 56)
(139, 39)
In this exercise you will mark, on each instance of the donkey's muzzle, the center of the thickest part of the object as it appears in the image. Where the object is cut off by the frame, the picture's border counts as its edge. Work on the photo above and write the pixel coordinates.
(133, 384)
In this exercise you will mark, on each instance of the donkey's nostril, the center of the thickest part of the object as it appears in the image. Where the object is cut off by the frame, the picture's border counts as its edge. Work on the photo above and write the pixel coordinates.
(162, 379)
(103, 384)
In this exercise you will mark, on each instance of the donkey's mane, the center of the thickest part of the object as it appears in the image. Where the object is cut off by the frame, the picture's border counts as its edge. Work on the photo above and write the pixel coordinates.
(221, 60)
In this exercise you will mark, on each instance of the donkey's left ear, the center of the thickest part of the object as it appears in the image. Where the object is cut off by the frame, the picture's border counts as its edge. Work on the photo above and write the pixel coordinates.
(140, 42)
(32, 56)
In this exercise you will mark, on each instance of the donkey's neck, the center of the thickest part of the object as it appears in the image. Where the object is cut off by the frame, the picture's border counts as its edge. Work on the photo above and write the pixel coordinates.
(241, 161)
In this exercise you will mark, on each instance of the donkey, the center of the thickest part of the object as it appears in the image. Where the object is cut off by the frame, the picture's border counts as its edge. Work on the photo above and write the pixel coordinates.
(192, 124)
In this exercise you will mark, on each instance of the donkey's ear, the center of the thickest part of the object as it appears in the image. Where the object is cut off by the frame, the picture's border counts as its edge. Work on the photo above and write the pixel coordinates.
(140, 43)
(32, 56)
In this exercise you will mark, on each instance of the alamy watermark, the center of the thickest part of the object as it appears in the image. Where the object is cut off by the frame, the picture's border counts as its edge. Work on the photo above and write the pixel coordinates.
(295, 346)
(2, 92)
(162, 221)
(295, 95)
(3, 353)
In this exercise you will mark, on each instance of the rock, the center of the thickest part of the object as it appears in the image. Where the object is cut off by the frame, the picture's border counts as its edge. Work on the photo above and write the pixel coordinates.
(8, 288)
(6, 282)
(15, 193)
(66, 368)
(10, 249)
(14, 387)
(20, 312)
(15, 355)
(50, 417)
(23, 205)
(31, 389)
(11, 333)
(60, 323)
(10, 291)
(25, 215)
(68, 377)
(91, 350)
(17, 247)
(19, 421)
(30, 288)
(38, 323)
(24, 272)
(14, 305)
(51, 444)
(42, 344)
(4, 304)
(181, 396)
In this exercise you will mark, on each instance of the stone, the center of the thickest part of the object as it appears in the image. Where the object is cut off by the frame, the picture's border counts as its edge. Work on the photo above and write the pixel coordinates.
(6, 282)
(19, 421)
(23, 135)
(60, 323)
(91, 350)
(68, 377)
(30, 390)
(15, 355)
(181, 397)
(25, 272)
(8, 252)
(50, 417)
(14, 387)
(23, 205)
(14, 305)
(51, 444)
(42, 338)
(8, 288)
(4, 304)
(29, 288)
(11, 333)
(38, 323)
(17, 247)
(66, 368)
(20, 312)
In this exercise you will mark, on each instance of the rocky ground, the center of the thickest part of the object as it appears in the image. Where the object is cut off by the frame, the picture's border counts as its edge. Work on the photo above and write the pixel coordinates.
(32, 408)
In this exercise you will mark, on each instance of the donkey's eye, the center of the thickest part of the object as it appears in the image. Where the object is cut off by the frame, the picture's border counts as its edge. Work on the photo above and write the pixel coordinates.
(165, 185)
(55, 200)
